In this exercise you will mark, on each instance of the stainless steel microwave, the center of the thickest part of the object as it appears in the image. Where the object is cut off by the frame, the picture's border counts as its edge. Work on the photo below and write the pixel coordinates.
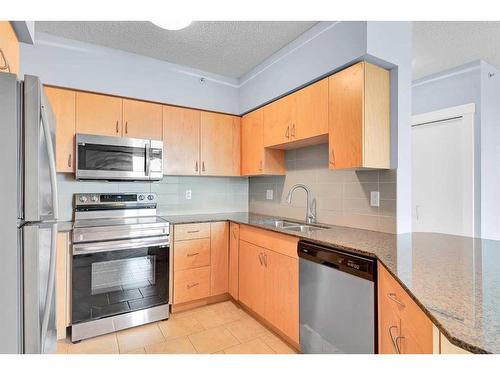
(116, 159)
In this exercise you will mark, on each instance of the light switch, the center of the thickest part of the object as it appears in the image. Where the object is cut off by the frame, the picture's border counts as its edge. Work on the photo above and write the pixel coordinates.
(188, 194)
(374, 198)
(269, 195)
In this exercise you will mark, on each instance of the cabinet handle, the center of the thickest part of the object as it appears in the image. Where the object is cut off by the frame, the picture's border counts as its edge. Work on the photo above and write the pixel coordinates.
(203, 166)
(260, 166)
(192, 254)
(126, 127)
(392, 297)
(293, 130)
(332, 160)
(260, 258)
(265, 260)
(287, 133)
(395, 340)
(234, 233)
(117, 127)
(189, 286)
(196, 166)
(6, 65)
(69, 160)
(193, 231)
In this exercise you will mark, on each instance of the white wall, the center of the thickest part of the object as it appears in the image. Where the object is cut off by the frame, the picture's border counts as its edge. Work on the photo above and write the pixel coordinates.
(63, 62)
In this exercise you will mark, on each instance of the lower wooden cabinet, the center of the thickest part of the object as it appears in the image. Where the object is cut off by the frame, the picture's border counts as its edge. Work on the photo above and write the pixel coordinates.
(234, 251)
(403, 326)
(269, 278)
(200, 260)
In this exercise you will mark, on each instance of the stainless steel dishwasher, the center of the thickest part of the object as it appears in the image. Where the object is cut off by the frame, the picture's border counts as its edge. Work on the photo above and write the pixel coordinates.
(336, 301)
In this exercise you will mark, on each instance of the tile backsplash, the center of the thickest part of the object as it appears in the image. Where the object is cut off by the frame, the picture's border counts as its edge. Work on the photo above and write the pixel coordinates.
(342, 197)
(208, 194)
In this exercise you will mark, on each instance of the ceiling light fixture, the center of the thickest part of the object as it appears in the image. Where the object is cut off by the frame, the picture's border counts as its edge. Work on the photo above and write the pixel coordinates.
(172, 24)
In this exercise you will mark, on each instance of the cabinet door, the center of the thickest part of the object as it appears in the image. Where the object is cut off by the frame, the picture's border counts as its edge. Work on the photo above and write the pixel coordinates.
(219, 258)
(181, 141)
(62, 253)
(236, 157)
(346, 117)
(217, 144)
(282, 293)
(251, 277)
(252, 143)
(278, 120)
(63, 106)
(312, 111)
(234, 244)
(142, 119)
(98, 114)
(10, 48)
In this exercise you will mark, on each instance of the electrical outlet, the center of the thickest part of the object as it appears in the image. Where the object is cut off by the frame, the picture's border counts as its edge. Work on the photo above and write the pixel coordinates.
(188, 194)
(374, 198)
(269, 195)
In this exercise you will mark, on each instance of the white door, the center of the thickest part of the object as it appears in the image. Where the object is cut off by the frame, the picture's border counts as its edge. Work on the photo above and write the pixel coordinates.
(443, 175)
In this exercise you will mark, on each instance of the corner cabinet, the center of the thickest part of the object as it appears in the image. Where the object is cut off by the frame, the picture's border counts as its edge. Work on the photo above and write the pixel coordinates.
(359, 117)
(255, 159)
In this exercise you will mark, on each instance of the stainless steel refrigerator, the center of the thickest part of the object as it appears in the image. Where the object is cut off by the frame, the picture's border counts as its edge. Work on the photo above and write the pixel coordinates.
(28, 217)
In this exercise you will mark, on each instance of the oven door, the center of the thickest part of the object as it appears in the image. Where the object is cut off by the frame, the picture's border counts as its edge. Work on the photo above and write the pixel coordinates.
(116, 277)
(112, 158)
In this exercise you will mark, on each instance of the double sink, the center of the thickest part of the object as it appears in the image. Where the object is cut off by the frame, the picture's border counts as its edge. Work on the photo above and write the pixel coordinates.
(294, 226)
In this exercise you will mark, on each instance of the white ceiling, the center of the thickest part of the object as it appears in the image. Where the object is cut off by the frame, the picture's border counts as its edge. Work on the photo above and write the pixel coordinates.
(227, 48)
(442, 45)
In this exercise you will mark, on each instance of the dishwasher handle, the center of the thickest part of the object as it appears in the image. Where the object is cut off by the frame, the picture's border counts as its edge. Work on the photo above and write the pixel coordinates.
(339, 259)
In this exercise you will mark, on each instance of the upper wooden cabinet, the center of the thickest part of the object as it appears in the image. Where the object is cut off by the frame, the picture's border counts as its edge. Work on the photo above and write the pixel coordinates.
(301, 117)
(142, 119)
(63, 105)
(98, 114)
(255, 159)
(219, 144)
(181, 141)
(9, 45)
(359, 117)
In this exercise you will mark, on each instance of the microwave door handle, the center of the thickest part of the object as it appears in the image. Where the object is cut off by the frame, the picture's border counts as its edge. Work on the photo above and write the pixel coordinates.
(52, 159)
(148, 158)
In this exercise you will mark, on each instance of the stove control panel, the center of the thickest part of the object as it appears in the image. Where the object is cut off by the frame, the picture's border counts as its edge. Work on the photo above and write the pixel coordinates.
(113, 199)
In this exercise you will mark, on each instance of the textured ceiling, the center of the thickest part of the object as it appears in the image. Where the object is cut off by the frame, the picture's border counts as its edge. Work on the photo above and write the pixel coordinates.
(227, 48)
(443, 45)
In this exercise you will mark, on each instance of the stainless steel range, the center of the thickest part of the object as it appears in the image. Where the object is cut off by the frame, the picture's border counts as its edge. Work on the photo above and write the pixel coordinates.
(121, 262)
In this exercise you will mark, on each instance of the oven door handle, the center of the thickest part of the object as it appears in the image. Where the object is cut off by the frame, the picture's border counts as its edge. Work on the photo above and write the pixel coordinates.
(105, 246)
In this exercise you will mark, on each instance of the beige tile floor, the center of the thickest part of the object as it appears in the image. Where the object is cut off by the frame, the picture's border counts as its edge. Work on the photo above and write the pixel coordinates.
(222, 328)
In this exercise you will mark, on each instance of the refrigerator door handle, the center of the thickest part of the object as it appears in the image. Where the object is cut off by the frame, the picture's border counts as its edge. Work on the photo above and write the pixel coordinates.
(51, 155)
(50, 287)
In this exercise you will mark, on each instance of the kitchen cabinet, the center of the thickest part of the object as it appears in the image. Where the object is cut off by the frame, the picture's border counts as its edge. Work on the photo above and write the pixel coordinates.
(63, 103)
(9, 46)
(219, 145)
(219, 258)
(403, 326)
(255, 158)
(181, 141)
(98, 114)
(252, 277)
(298, 119)
(63, 284)
(201, 261)
(359, 117)
(234, 250)
(269, 278)
(142, 119)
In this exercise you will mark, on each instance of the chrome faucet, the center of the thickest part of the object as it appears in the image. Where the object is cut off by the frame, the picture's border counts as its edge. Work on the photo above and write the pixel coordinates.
(311, 203)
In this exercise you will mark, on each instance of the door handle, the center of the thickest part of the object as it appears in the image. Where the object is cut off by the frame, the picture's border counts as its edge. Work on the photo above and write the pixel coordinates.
(260, 166)
(196, 166)
(117, 131)
(392, 297)
(287, 133)
(69, 160)
(126, 127)
(189, 286)
(293, 130)
(260, 259)
(394, 340)
(203, 166)
(265, 260)
(332, 160)
(193, 231)
(234, 233)
(192, 254)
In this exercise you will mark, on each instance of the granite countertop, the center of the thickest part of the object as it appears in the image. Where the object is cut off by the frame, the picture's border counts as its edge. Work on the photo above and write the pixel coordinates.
(454, 279)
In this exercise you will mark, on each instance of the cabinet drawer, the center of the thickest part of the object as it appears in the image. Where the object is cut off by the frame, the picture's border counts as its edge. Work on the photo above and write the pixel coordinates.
(281, 243)
(190, 285)
(191, 254)
(191, 231)
(415, 326)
